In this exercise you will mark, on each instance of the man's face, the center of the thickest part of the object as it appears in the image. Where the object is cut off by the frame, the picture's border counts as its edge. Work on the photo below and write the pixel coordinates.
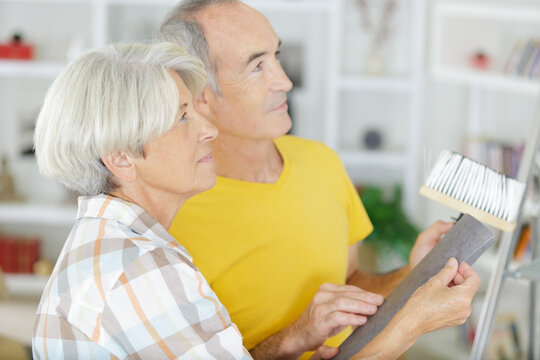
(253, 102)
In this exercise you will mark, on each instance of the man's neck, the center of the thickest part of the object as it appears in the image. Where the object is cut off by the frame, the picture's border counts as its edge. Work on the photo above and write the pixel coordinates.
(247, 159)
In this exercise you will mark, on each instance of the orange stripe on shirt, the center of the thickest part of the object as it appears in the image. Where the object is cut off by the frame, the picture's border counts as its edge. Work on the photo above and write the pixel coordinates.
(140, 313)
(216, 305)
(96, 267)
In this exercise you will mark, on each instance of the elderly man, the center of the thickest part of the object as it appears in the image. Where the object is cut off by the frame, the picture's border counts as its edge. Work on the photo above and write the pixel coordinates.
(277, 236)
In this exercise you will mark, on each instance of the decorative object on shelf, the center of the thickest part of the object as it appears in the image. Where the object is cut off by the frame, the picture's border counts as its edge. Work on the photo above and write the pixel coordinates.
(7, 184)
(377, 32)
(392, 232)
(4, 294)
(480, 60)
(372, 139)
(43, 267)
(16, 49)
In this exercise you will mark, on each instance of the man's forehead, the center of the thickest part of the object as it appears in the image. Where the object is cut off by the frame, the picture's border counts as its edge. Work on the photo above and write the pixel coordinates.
(235, 28)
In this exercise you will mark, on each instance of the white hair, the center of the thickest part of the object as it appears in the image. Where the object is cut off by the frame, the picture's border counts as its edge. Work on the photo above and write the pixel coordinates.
(180, 27)
(109, 100)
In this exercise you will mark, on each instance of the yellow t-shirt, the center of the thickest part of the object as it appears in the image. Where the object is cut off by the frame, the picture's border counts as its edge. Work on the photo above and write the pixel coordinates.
(265, 249)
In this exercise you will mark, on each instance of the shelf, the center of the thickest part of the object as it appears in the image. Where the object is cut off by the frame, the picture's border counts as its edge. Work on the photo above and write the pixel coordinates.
(30, 69)
(377, 83)
(384, 159)
(530, 271)
(18, 316)
(288, 6)
(491, 11)
(47, 1)
(25, 284)
(266, 5)
(44, 214)
(491, 81)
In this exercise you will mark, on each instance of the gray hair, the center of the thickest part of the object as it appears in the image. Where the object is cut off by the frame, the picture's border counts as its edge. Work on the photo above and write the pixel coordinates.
(180, 27)
(109, 100)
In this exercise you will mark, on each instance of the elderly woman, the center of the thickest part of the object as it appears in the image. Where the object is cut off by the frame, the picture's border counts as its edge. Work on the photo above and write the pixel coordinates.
(118, 125)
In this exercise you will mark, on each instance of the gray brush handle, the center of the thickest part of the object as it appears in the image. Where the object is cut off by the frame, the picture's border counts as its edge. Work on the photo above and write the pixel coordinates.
(466, 241)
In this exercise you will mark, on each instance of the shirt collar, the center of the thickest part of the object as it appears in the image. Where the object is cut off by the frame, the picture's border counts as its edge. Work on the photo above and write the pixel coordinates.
(129, 214)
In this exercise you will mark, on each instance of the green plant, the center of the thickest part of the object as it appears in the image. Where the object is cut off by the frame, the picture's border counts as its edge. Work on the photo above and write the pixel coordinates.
(392, 230)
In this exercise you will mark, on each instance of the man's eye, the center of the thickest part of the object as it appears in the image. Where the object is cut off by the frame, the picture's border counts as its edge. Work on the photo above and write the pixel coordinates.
(278, 54)
(258, 67)
(183, 118)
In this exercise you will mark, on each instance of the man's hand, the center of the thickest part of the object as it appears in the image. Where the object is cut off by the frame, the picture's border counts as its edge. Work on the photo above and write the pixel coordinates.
(427, 240)
(332, 309)
(445, 300)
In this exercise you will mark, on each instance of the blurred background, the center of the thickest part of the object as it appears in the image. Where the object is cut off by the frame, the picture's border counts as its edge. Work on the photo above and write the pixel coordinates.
(388, 84)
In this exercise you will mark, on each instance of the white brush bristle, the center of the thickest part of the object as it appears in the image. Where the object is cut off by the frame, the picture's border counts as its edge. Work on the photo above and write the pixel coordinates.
(474, 184)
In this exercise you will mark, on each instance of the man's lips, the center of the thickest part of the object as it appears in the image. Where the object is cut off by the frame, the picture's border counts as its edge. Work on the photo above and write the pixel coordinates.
(282, 106)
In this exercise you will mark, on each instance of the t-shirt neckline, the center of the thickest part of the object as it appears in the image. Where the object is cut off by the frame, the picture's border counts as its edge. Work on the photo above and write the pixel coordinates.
(256, 185)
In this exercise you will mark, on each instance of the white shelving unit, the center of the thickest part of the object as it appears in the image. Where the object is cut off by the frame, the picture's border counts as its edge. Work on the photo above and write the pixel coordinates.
(503, 25)
(499, 105)
(405, 88)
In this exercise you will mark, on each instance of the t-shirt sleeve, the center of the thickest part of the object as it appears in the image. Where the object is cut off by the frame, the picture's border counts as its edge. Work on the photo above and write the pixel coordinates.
(162, 307)
(360, 225)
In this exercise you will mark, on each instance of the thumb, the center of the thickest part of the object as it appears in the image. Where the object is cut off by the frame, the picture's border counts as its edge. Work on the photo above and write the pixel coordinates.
(448, 272)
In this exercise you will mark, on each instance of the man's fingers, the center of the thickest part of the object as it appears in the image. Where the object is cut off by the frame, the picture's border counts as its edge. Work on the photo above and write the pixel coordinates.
(329, 291)
(448, 272)
(354, 306)
(458, 279)
(439, 228)
(324, 352)
(342, 319)
(472, 279)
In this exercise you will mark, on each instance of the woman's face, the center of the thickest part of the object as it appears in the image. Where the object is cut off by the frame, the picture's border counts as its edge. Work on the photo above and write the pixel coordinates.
(180, 161)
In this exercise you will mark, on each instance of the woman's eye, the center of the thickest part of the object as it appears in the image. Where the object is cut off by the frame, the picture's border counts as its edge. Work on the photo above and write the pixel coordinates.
(183, 118)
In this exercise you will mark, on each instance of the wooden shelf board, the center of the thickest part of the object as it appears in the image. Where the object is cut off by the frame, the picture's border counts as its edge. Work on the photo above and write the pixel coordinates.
(30, 69)
(367, 158)
(382, 83)
(25, 284)
(36, 213)
(493, 81)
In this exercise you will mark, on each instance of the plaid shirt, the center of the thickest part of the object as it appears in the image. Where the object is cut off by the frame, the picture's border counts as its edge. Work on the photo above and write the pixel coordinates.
(124, 288)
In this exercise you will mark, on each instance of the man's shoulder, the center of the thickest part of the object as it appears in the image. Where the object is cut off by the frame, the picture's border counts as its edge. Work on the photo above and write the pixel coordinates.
(306, 147)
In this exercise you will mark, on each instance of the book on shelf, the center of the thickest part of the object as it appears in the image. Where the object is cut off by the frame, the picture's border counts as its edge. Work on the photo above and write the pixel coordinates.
(524, 59)
(496, 154)
(18, 254)
(523, 246)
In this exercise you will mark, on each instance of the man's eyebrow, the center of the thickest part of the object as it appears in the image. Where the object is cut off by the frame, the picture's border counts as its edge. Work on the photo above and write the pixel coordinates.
(259, 54)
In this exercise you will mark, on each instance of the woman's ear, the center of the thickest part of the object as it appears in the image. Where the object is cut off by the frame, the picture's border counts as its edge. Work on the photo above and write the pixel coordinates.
(120, 165)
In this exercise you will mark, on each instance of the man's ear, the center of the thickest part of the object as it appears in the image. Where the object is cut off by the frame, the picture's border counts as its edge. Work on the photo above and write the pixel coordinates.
(120, 165)
(202, 101)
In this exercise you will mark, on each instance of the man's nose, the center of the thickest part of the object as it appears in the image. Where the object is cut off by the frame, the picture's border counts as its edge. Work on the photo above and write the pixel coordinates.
(281, 81)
